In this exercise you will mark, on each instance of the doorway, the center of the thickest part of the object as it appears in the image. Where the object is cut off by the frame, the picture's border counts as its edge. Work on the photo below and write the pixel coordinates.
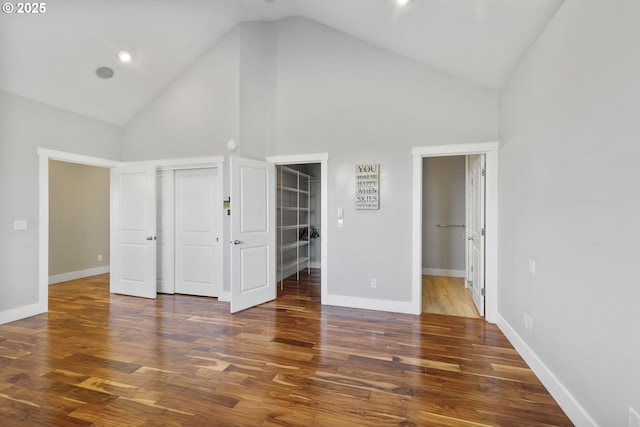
(298, 238)
(490, 229)
(315, 166)
(78, 221)
(445, 288)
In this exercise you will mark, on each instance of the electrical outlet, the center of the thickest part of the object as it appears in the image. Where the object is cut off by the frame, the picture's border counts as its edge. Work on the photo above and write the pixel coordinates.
(20, 224)
(374, 283)
(99, 257)
(634, 418)
(532, 267)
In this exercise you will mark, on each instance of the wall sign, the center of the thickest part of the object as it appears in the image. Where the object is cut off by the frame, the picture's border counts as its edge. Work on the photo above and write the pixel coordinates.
(368, 186)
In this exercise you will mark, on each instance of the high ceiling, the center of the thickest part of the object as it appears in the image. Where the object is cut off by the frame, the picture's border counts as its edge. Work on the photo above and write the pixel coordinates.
(52, 57)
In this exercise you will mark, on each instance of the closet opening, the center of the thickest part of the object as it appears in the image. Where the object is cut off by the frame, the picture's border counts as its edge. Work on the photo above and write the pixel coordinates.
(299, 229)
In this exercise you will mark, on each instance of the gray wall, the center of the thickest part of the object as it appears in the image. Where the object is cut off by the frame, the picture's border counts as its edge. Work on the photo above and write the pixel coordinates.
(363, 104)
(78, 217)
(196, 114)
(569, 200)
(443, 202)
(325, 92)
(26, 125)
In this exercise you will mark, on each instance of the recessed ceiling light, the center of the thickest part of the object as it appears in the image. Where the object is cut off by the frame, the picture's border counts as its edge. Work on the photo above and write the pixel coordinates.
(403, 2)
(104, 72)
(124, 56)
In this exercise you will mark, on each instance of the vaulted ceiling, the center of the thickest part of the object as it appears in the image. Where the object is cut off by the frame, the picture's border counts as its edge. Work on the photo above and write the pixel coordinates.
(52, 56)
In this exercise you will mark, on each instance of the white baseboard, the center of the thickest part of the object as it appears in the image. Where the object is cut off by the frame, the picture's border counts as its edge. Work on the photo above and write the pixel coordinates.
(370, 304)
(443, 272)
(65, 277)
(21, 313)
(567, 402)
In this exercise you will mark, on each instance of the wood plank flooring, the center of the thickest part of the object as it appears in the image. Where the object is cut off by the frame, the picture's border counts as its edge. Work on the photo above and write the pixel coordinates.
(109, 360)
(447, 295)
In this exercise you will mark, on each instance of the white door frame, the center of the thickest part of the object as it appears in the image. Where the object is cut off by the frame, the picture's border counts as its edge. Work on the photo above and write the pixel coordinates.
(44, 155)
(323, 159)
(490, 149)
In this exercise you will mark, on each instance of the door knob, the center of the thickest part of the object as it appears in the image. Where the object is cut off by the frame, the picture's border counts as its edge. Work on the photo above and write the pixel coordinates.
(236, 242)
(470, 238)
(149, 237)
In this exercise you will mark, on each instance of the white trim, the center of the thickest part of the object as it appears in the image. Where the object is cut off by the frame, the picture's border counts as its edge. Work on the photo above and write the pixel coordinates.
(20, 313)
(443, 272)
(323, 159)
(43, 234)
(565, 399)
(80, 274)
(295, 159)
(186, 163)
(490, 149)
(369, 304)
(76, 158)
(455, 150)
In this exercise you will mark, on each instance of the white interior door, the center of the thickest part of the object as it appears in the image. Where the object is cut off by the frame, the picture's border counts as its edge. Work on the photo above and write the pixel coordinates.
(476, 237)
(198, 231)
(253, 222)
(166, 237)
(133, 230)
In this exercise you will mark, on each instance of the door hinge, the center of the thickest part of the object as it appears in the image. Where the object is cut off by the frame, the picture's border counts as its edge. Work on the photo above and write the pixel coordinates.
(472, 268)
(484, 172)
(482, 231)
(482, 292)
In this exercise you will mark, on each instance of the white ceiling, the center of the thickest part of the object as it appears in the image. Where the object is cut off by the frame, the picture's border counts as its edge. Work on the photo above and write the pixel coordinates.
(52, 57)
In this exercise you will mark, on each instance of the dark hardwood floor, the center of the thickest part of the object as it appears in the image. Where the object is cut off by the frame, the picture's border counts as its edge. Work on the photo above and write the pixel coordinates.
(111, 360)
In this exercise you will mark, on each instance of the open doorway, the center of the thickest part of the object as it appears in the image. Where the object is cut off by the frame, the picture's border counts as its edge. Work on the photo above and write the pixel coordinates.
(316, 167)
(78, 221)
(445, 288)
(299, 228)
(44, 158)
(488, 230)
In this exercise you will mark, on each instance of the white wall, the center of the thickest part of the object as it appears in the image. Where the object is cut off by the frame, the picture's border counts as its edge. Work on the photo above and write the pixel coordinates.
(443, 202)
(27, 125)
(570, 137)
(362, 104)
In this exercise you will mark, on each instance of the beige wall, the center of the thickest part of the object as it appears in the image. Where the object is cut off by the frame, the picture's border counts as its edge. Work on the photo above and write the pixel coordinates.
(78, 217)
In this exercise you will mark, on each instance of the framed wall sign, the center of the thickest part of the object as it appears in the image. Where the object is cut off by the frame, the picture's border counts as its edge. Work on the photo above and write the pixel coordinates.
(368, 186)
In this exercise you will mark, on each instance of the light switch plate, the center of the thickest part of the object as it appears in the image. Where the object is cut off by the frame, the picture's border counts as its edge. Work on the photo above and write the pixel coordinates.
(340, 212)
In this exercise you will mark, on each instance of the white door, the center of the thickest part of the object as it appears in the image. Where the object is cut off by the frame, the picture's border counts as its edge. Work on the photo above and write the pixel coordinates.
(253, 222)
(133, 230)
(198, 232)
(165, 243)
(476, 232)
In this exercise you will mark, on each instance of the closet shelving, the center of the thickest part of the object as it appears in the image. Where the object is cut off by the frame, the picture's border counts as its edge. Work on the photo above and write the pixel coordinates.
(294, 205)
